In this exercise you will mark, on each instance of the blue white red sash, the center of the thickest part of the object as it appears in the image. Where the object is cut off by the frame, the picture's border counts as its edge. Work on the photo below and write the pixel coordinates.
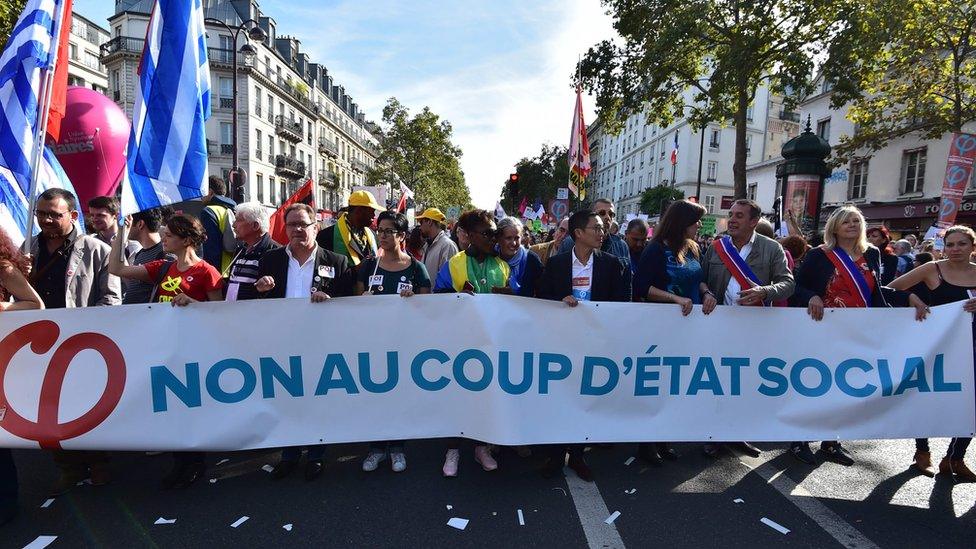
(735, 264)
(851, 273)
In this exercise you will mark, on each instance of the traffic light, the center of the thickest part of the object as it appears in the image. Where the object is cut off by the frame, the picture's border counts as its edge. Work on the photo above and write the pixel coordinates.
(513, 180)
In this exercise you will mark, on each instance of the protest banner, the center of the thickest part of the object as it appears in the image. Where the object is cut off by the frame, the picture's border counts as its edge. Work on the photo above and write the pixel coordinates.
(268, 373)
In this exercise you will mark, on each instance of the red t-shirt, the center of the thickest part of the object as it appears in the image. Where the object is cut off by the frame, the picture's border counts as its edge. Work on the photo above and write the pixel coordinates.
(840, 294)
(194, 282)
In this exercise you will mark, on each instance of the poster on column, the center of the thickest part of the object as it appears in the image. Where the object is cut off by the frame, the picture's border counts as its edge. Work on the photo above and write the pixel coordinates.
(270, 373)
(802, 198)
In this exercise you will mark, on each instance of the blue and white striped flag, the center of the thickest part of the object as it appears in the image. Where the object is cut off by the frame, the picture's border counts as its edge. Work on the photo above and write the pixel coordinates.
(167, 152)
(27, 55)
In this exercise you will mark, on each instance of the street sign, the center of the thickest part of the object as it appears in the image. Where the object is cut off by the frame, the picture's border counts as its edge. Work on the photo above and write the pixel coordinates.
(453, 212)
(559, 209)
(562, 193)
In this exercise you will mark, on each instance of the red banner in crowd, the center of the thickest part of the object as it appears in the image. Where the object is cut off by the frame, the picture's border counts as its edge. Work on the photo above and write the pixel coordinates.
(959, 170)
(304, 194)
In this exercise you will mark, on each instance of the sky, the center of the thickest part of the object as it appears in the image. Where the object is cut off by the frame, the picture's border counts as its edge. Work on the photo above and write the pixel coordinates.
(500, 71)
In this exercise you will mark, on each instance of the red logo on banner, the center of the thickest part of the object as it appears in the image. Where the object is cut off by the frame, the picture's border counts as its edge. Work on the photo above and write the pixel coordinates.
(41, 336)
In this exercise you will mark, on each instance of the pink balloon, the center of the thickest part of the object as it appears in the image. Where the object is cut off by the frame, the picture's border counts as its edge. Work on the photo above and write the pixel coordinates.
(94, 134)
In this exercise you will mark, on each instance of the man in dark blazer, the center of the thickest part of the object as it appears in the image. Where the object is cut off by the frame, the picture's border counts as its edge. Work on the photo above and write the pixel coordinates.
(583, 274)
(298, 270)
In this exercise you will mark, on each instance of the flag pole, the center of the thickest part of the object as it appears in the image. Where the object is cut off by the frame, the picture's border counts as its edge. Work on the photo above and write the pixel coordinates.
(47, 83)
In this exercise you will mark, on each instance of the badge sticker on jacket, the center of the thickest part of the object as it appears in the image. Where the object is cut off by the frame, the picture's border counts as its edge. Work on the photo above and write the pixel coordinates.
(376, 280)
(404, 286)
(327, 271)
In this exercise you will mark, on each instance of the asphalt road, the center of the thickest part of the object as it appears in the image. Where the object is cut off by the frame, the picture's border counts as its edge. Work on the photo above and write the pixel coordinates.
(877, 502)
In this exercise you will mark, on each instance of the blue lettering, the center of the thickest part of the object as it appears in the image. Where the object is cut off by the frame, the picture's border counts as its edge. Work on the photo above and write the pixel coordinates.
(885, 374)
(336, 363)
(914, 376)
(676, 362)
(735, 365)
(644, 375)
(546, 375)
(613, 375)
(796, 377)
(938, 378)
(840, 376)
(160, 378)
(505, 380)
(417, 370)
(213, 380)
(705, 368)
(462, 378)
(392, 373)
(271, 371)
(771, 370)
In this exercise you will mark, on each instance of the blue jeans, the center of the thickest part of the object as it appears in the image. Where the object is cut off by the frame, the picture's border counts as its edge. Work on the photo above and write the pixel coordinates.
(292, 453)
(8, 478)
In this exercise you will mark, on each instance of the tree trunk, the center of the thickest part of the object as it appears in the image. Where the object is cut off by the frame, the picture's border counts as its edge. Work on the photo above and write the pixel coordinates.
(739, 166)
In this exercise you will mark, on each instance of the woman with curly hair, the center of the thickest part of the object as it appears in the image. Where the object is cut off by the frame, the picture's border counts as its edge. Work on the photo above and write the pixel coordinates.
(13, 284)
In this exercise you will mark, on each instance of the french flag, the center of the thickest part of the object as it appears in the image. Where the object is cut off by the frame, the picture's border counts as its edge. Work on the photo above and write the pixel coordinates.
(674, 151)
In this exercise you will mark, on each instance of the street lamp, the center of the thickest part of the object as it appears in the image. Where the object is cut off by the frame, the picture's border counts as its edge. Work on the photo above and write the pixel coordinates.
(256, 33)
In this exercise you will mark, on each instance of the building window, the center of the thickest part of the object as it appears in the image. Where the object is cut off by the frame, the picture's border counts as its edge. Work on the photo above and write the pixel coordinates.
(283, 190)
(712, 170)
(710, 203)
(913, 171)
(73, 51)
(751, 192)
(271, 149)
(823, 129)
(272, 190)
(259, 179)
(226, 133)
(715, 139)
(857, 182)
(257, 151)
(750, 112)
(748, 144)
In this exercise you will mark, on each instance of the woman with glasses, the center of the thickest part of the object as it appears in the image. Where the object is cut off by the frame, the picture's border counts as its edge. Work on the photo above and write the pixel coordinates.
(476, 270)
(393, 272)
(525, 265)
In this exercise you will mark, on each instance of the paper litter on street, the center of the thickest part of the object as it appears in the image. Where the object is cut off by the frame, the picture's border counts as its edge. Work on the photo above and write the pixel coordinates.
(521, 518)
(287, 527)
(612, 517)
(631, 491)
(775, 526)
(239, 521)
(449, 507)
(223, 461)
(47, 503)
(458, 523)
(162, 520)
(267, 468)
(629, 460)
(41, 542)
(738, 500)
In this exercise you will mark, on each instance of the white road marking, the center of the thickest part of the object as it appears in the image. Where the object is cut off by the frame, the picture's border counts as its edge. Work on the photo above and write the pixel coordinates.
(829, 521)
(592, 511)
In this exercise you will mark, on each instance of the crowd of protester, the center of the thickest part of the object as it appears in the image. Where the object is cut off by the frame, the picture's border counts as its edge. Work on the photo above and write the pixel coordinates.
(226, 253)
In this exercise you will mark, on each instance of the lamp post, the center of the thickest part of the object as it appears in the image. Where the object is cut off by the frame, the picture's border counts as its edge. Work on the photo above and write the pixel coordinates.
(256, 33)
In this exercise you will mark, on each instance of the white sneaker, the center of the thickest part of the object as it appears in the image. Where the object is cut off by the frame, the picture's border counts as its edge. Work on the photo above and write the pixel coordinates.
(451, 462)
(373, 460)
(399, 462)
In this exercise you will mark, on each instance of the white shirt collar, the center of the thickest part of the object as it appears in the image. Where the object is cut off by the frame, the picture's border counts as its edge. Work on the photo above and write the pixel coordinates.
(576, 260)
(315, 252)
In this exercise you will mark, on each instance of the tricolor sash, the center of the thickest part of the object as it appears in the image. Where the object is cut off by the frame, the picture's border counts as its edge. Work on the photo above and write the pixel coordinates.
(850, 273)
(737, 266)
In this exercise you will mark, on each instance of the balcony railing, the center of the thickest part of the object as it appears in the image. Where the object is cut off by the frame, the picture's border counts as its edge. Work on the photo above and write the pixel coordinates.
(226, 149)
(290, 87)
(359, 165)
(226, 102)
(288, 128)
(328, 178)
(328, 146)
(122, 44)
(289, 166)
(792, 116)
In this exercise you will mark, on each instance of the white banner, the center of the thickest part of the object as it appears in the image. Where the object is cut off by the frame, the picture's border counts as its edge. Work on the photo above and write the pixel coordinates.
(501, 369)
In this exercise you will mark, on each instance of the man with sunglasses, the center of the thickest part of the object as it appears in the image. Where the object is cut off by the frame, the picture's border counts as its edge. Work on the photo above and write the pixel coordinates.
(476, 270)
(583, 274)
(303, 270)
(69, 270)
(613, 244)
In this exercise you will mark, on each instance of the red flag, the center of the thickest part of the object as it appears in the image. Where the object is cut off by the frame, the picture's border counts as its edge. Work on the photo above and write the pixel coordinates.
(405, 193)
(305, 195)
(59, 84)
(522, 205)
(579, 150)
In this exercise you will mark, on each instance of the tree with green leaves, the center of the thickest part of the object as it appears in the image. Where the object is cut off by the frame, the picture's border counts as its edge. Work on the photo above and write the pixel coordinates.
(905, 67)
(538, 177)
(9, 12)
(652, 199)
(704, 60)
(417, 150)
